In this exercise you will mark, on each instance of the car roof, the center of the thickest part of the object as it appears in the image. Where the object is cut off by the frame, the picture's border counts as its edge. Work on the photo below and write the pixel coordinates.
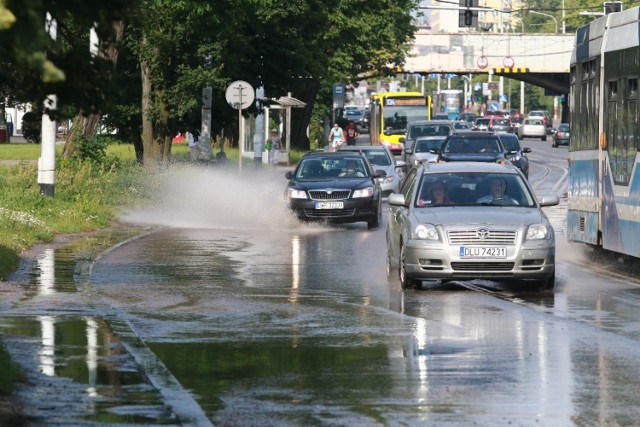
(477, 167)
(430, 122)
(472, 133)
(362, 148)
(320, 153)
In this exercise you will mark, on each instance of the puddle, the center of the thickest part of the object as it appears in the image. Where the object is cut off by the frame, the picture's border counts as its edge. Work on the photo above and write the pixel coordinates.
(83, 368)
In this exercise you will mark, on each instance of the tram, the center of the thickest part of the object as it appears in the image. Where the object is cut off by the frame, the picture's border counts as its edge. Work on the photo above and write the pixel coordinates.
(604, 104)
(391, 112)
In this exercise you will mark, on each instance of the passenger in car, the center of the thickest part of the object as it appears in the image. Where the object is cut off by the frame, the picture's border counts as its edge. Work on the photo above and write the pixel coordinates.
(435, 195)
(497, 189)
(352, 170)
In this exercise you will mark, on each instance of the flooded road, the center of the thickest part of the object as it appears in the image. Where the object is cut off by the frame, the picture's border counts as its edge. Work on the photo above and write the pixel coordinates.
(221, 309)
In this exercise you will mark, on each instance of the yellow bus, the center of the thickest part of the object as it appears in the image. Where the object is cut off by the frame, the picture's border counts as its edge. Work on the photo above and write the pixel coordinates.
(391, 112)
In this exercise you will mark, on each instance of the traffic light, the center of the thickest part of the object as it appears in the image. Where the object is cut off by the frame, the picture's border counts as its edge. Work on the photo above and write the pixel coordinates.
(466, 16)
(612, 6)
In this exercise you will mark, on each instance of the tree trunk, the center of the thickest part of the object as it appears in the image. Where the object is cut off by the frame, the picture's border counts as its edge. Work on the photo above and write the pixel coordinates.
(301, 117)
(86, 125)
(156, 139)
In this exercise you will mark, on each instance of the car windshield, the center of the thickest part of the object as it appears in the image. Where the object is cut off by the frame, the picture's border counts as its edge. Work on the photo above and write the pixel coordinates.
(511, 143)
(472, 189)
(564, 128)
(424, 145)
(428, 130)
(482, 121)
(472, 145)
(331, 167)
(378, 157)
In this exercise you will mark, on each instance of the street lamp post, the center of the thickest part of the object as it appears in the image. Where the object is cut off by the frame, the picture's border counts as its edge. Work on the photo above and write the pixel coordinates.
(546, 14)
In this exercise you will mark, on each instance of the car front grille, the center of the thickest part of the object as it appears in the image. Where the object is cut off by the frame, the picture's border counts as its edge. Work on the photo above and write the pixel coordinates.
(482, 266)
(329, 194)
(329, 213)
(482, 236)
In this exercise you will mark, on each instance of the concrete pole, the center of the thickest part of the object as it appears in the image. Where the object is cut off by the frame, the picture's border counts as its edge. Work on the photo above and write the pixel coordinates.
(204, 142)
(259, 136)
(522, 113)
(47, 160)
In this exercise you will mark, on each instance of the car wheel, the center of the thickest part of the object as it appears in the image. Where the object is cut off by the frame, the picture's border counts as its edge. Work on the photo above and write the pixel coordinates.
(405, 282)
(554, 145)
(548, 283)
(544, 138)
(374, 222)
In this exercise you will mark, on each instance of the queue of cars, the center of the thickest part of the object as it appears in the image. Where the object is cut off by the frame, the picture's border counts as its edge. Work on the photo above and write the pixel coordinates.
(460, 206)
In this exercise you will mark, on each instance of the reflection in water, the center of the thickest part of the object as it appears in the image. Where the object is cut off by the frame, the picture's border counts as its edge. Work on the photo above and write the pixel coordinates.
(47, 352)
(46, 278)
(295, 269)
(85, 350)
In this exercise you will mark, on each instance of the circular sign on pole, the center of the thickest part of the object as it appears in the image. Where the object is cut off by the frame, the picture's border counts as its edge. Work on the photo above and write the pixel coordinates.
(508, 62)
(240, 95)
(482, 62)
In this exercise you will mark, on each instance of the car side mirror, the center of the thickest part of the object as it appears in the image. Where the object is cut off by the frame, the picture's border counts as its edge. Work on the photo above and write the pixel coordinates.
(288, 175)
(409, 151)
(526, 149)
(401, 163)
(396, 199)
(379, 173)
(549, 200)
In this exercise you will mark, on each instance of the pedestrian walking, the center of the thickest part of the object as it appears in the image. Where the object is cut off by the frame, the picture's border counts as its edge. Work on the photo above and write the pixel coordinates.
(192, 139)
(272, 146)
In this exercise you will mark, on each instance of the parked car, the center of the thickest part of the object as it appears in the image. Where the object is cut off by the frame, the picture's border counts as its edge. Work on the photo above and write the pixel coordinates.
(426, 149)
(340, 187)
(515, 153)
(472, 146)
(425, 128)
(561, 135)
(490, 225)
(381, 159)
(533, 127)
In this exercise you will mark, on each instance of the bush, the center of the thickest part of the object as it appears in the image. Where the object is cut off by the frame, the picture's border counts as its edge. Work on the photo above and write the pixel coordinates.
(32, 127)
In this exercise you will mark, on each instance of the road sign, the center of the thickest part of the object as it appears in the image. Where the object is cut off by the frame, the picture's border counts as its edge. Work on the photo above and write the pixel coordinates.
(240, 95)
(482, 62)
(503, 98)
(508, 62)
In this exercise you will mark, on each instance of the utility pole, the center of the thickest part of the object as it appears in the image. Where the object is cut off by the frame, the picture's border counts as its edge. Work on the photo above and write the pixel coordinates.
(47, 160)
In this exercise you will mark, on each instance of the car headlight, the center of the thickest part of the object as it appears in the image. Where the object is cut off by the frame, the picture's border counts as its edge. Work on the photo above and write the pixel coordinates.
(416, 163)
(426, 232)
(515, 158)
(537, 232)
(365, 192)
(386, 180)
(296, 194)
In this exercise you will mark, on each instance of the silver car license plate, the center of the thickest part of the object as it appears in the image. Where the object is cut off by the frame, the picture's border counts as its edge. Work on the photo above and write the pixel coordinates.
(483, 252)
(329, 205)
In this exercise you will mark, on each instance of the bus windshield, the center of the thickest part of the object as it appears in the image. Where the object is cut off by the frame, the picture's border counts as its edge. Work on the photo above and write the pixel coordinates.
(396, 118)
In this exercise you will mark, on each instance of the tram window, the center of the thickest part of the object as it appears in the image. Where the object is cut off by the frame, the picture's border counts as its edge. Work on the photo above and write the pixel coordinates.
(633, 88)
(613, 90)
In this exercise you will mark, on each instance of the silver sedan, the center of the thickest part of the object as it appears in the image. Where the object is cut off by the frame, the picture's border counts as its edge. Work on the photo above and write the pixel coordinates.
(469, 220)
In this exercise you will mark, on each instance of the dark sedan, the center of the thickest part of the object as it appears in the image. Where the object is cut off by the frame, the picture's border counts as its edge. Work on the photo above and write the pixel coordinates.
(474, 146)
(561, 135)
(516, 154)
(338, 187)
